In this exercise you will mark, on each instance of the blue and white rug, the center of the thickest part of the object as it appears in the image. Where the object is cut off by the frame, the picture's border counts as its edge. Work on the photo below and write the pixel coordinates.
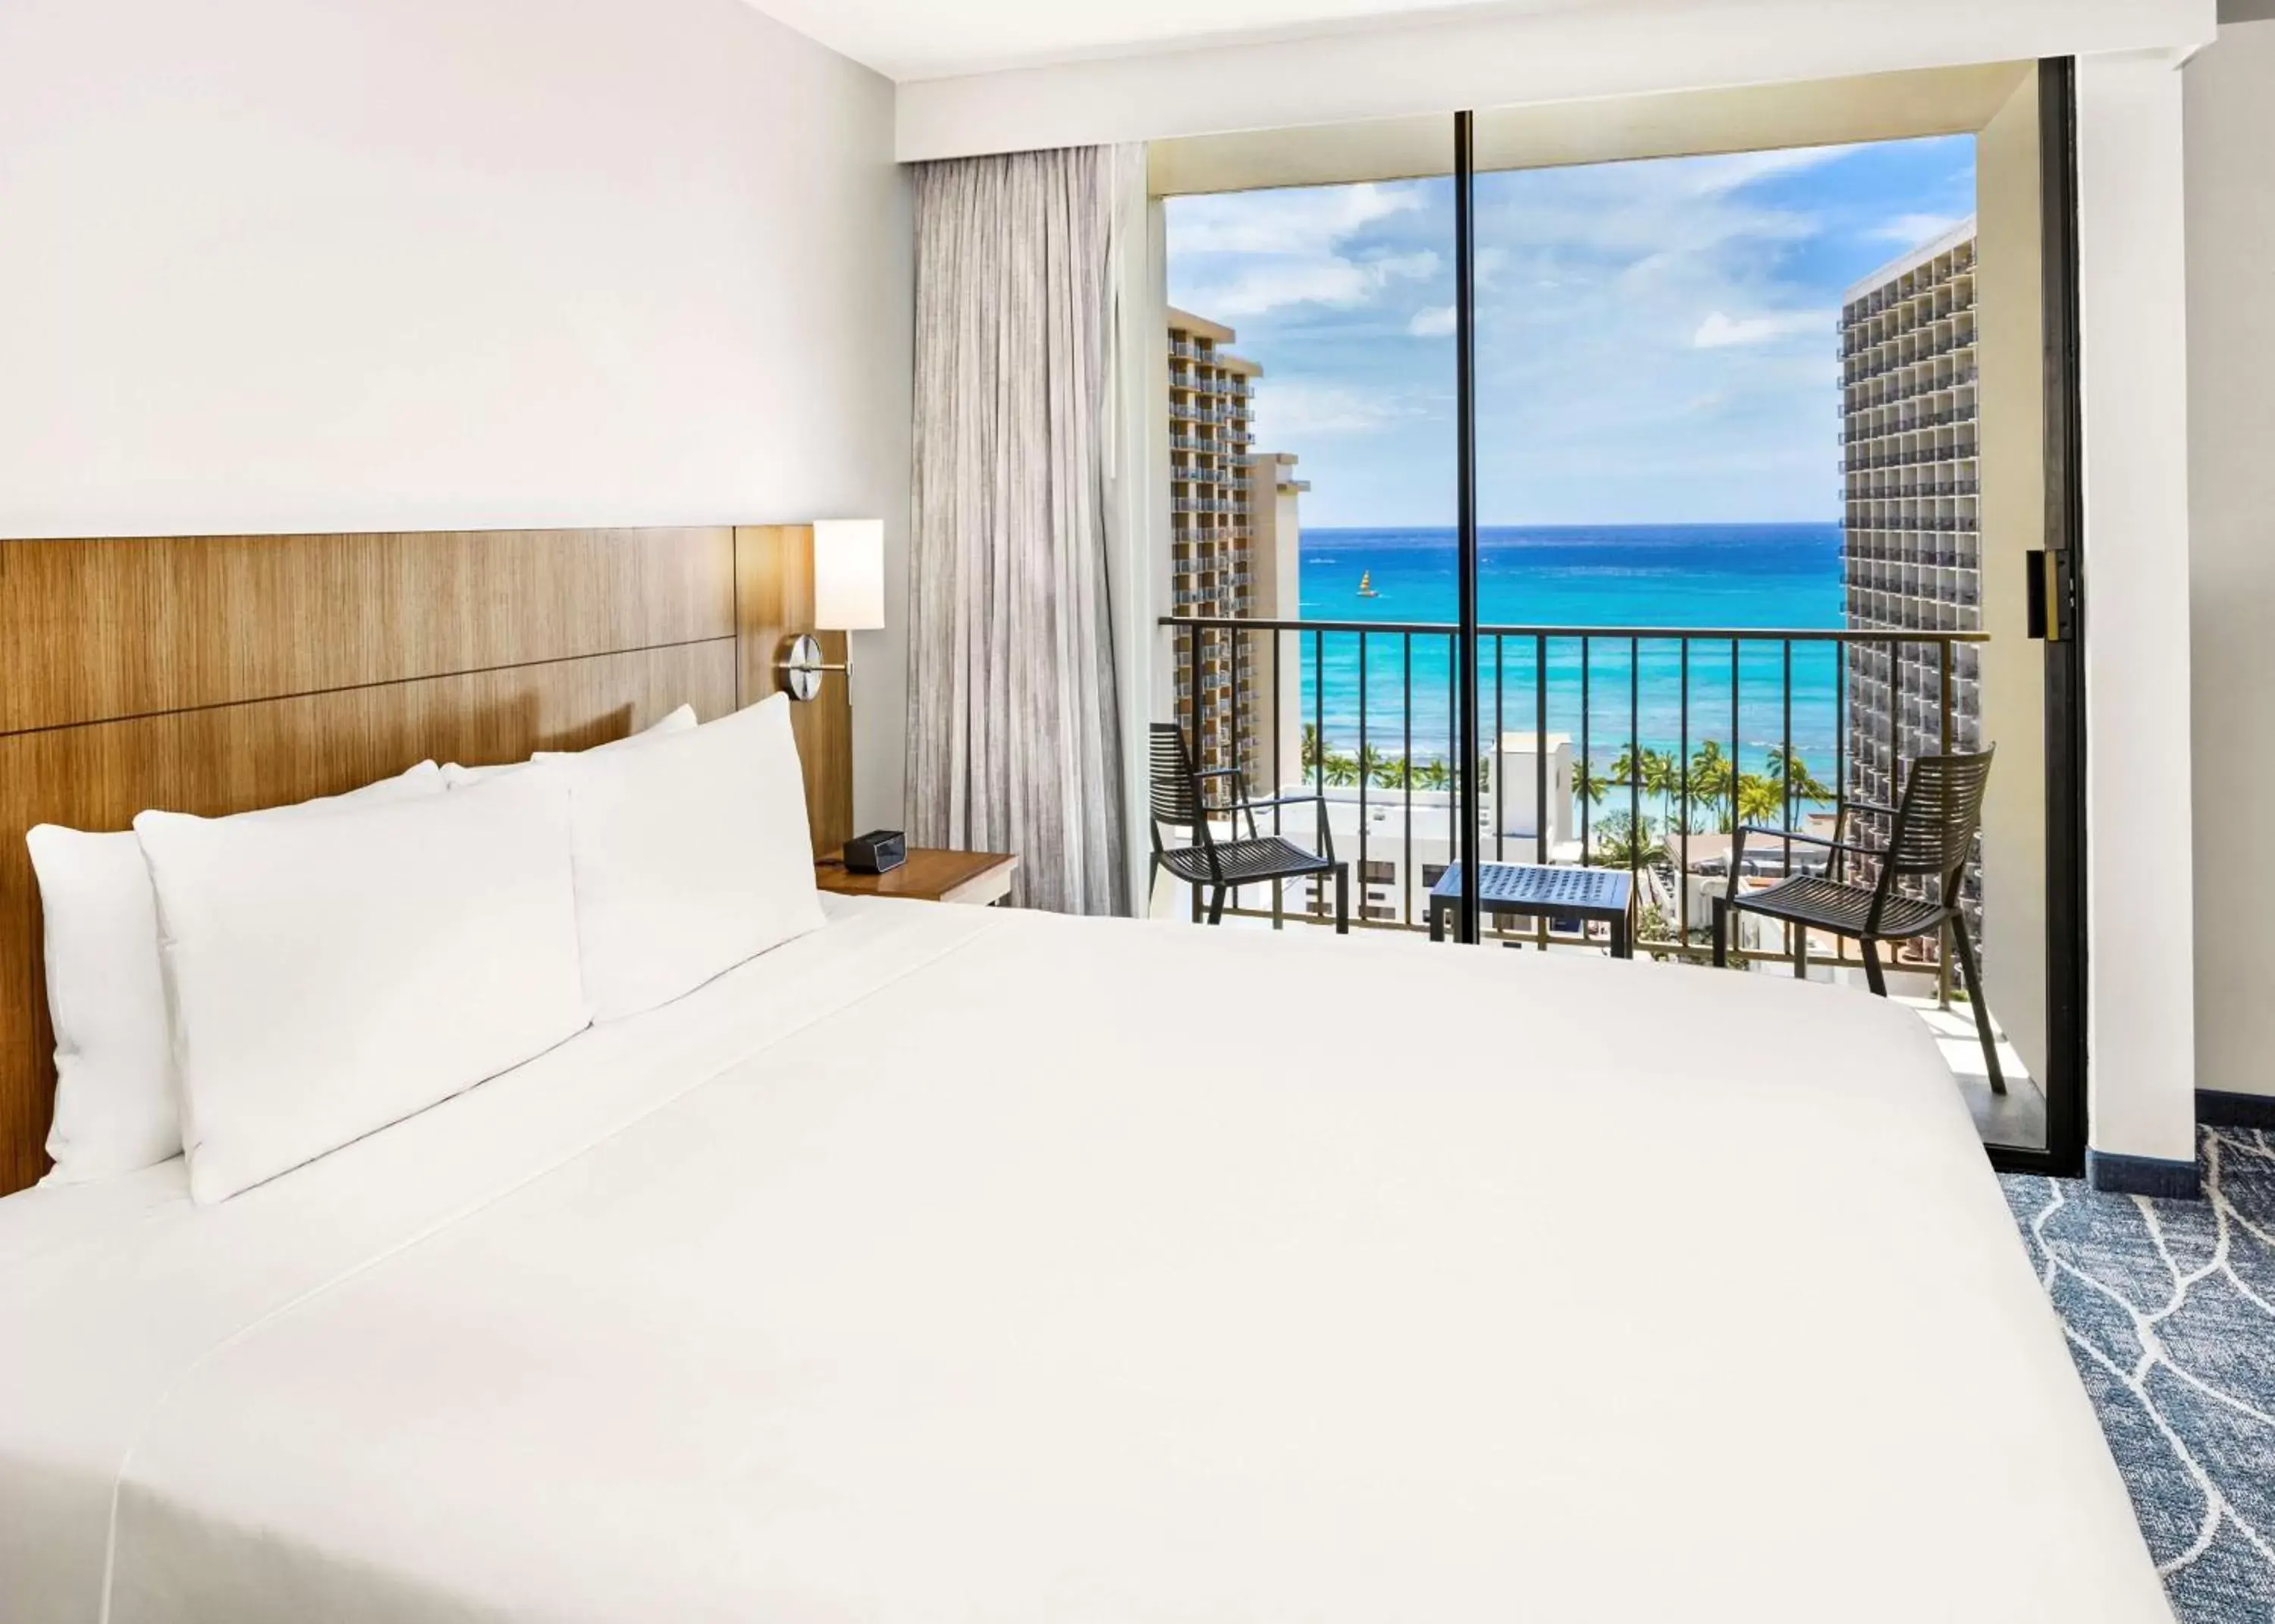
(2170, 1307)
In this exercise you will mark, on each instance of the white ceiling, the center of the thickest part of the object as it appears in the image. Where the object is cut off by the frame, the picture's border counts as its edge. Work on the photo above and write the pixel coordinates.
(935, 39)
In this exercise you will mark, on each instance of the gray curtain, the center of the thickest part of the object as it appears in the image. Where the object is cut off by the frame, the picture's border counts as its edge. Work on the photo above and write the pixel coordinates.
(1014, 736)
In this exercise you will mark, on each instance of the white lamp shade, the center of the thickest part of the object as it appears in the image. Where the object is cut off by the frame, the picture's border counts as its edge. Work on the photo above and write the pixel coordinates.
(849, 574)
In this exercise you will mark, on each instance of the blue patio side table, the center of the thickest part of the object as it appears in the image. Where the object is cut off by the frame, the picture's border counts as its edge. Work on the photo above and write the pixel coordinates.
(1536, 891)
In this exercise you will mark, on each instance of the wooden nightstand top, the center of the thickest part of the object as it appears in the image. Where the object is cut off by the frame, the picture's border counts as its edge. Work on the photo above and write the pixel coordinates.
(930, 875)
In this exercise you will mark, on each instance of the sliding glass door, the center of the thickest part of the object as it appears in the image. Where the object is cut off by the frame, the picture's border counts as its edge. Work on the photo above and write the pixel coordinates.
(1312, 478)
(1612, 513)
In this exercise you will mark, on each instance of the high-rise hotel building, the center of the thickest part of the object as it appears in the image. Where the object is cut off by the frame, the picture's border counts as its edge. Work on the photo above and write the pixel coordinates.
(1211, 571)
(1911, 536)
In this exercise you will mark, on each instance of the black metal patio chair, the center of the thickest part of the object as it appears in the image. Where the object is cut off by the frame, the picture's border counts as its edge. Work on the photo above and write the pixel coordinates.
(1179, 803)
(1931, 834)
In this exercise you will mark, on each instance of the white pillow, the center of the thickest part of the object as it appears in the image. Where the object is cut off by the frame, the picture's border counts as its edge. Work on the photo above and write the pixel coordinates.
(693, 853)
(116, 1102)
(329, 975)
(674, 722)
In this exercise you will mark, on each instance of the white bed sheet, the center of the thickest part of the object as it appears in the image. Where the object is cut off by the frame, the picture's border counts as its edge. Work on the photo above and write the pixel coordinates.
(951, 1264)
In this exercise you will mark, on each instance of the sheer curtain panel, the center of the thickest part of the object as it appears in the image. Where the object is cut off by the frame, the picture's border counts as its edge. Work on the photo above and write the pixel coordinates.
(1014, 736)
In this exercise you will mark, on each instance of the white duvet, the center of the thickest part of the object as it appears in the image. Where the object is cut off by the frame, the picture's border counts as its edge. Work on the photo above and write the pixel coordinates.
(951, 1264)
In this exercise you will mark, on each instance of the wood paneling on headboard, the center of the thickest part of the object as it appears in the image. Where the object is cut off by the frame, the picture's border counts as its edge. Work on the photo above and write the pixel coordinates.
(213, 675)
(773, 585)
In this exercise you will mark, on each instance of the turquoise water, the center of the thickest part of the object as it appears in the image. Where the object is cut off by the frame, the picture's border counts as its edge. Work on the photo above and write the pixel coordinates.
(1728, 577)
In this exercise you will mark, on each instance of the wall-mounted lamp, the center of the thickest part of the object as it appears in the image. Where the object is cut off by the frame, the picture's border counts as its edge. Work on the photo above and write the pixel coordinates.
(848, 595)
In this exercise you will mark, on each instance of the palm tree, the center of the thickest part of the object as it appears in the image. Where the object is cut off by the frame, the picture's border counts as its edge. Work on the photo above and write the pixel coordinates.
(1340, 769)
(1432, 774)
(1760, 800)
(1786, 768)
(1391, 773)
(1590, 786)
(1808, 786)
(1625, 842)
(1630, 767)
(1710, 778)
(1311, 749)
(1651, 772)
(1662, 778)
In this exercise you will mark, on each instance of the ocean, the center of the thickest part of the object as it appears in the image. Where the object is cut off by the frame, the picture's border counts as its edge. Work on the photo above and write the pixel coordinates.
(1732, 576)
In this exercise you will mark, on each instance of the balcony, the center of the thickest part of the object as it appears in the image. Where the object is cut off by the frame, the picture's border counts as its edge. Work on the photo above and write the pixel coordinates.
(1682, 704)
(1635, 747)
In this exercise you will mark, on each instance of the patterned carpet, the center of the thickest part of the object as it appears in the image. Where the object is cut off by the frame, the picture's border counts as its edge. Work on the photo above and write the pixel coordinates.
(2170, 1307)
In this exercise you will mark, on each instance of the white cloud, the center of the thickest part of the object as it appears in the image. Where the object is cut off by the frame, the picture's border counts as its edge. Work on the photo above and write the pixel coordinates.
(1258, 251)
(1305, 220)
(1711, 176)
(1251, 291)
(1435, 322)
(1719, 332)
(1284, 410)
(1270, 281)
(1414, 267)
(1910, 231)
(1646, 219)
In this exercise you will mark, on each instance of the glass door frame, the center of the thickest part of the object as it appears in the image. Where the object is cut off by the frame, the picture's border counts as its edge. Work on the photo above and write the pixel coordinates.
(2063, 741)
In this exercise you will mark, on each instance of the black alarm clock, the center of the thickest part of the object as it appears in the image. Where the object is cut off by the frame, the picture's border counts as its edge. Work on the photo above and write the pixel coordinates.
(875, 852)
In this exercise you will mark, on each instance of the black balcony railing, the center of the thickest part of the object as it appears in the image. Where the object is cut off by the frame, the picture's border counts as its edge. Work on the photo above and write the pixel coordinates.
(1723, 698)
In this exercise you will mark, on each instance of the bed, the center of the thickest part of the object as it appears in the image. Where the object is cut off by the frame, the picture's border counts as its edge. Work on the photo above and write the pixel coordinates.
(912, 1271)
(954, 1264)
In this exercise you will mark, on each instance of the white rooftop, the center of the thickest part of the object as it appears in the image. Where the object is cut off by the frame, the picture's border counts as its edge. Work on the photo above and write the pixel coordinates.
(1949, 237)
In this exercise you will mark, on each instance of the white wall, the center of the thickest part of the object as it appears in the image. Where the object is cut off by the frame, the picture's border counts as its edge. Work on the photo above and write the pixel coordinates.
(266, 265)
(2230, 103)
(1492, 58)
(2134, 341)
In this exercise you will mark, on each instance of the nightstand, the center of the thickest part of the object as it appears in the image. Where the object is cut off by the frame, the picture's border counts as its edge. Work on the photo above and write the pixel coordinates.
(975, 878)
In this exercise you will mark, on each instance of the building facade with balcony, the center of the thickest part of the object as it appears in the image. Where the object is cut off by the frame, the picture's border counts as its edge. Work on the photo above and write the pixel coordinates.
(1274, 664)
(1911, 527)
(1213, 528)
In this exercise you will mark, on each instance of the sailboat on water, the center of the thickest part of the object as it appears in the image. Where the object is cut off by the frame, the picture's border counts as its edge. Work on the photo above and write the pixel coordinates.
(1366, 584)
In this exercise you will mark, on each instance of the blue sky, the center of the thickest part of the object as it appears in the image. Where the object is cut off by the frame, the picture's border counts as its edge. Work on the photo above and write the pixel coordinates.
(1657, 340)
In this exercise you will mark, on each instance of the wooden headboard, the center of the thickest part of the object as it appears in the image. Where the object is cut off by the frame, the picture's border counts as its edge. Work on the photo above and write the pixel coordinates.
(214, 674)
